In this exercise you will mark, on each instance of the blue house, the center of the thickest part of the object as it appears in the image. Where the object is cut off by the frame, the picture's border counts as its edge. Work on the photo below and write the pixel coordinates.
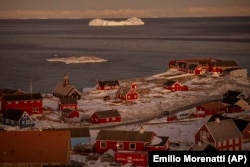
(15, 117)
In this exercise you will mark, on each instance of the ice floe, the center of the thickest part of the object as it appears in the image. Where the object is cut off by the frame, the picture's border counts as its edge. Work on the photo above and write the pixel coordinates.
(77, 60)
(134, 21)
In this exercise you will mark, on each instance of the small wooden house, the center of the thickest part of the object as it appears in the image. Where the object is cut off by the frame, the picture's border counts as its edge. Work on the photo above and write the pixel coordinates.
(70, 103)
(174, 86)
(211, 108)
(127, 93)
(222, 134)
(105, 116)
(34, 148)
(107, 85)
(65, 90)
(14, 117)
(123, 140)
(69, 113)
(31, 103)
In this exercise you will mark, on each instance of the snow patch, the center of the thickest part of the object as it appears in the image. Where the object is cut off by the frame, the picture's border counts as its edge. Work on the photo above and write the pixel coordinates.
(134, 21)
(77, 60)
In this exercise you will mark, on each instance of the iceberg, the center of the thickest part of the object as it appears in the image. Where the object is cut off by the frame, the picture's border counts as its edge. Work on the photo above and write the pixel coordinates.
(77, 60)
(134, 21)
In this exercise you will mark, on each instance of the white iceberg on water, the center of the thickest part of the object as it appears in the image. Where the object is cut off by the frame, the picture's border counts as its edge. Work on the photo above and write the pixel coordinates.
(134, 21)
(77, 60)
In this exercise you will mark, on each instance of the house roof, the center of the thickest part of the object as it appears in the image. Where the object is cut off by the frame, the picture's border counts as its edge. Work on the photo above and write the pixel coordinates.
(74, 132)
(64, 90)
(231, 97)
(120, 135)
(232, 94)
(67, 110)
(23, 97)
(223, 129)
(213, 105)
(124, 90)
(224, 63)
(169, 82)
(240, 123)
(193, 66)
(107, 113)
(34, 146)
(68, 100)
(10, 91)
(163, 140)
(13, 114)
(109, 83)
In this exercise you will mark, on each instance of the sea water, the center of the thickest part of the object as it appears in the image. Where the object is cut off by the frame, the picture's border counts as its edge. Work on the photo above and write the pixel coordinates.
(130, 51)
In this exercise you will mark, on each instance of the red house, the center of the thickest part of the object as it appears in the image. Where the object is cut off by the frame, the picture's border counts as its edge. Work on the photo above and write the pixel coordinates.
(174, 86)
(211, 108)
(107, 85)
(123, 140)
(69, 113)
(31, 103)
(127, 93)
(70, 103)
(222, 134)
(105, 116)
(120, 140)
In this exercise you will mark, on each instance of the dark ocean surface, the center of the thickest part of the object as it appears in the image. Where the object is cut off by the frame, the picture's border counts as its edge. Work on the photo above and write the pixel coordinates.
(131, 51)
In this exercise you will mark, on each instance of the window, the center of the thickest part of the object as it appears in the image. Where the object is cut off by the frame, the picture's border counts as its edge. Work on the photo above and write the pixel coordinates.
(237, 141)
(16, 102)
(132, 146)
(102, 144)
(119, 146)
(27, 121)
(219, 143)
(230, 142)
(224, 143)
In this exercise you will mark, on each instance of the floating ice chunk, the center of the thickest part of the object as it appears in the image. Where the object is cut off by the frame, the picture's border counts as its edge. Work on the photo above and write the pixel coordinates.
(77, 60)
(129, 22)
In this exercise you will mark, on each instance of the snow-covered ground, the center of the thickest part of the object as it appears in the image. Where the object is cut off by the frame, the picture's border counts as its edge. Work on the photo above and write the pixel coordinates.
(154, 100)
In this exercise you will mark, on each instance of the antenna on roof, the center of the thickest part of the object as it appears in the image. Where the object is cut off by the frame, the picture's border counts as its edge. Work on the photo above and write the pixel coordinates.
(31, 86)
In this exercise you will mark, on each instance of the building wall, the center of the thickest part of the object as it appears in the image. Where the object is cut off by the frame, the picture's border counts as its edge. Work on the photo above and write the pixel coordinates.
(229, 145)
(95, 119)
(31, 106)
(69, 106)
(139, 146)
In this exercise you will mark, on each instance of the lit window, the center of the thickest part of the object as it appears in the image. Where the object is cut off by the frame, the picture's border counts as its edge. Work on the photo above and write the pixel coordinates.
(119, 145)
